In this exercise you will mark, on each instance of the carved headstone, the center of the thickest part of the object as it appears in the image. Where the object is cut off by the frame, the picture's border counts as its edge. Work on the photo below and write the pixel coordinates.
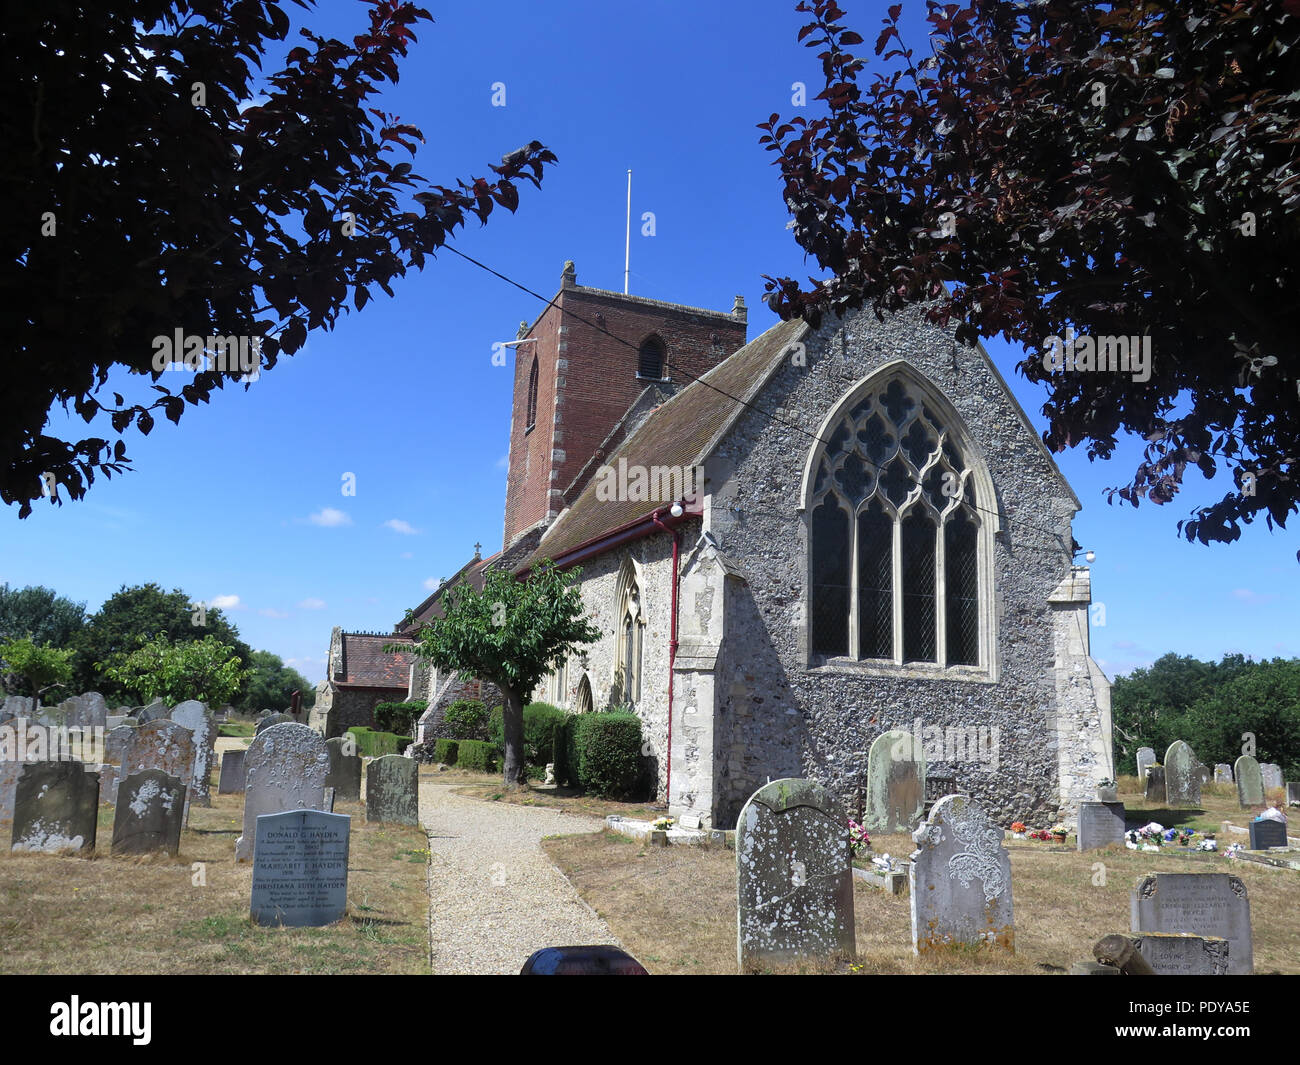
(1156, 784)
(1223, 773)
(150, 813)
(159, 744)
(1146, 758)
(155, 711)
(286, 768)
(56, 807)
(1267, 833)
(960, 879)
(1250, 782)
(1202, 904)
(895, 783)
(270, 721)
(345, 769)
(300, 868)
(199, 720)
(19, 705)
(794, 881)
(111, 772)
(1182, 777)
(1270, 774)
(1101, 824)
(233, 769)
(14, 751)
(393, 790)
(1179, 954)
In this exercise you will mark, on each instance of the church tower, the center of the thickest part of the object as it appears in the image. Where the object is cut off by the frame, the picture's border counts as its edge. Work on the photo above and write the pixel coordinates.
(581, 368)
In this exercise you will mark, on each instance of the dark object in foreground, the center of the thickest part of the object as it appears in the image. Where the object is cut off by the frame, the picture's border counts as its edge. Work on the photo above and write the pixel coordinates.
(582, 961)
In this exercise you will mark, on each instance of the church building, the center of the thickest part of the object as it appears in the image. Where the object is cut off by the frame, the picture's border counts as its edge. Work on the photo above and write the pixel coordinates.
(794, 544)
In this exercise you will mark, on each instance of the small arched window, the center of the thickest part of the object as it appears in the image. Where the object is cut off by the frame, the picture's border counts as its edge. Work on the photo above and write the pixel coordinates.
(630, 634)
(584, 696)
(650, 359)
(532, 397)
(896, 534)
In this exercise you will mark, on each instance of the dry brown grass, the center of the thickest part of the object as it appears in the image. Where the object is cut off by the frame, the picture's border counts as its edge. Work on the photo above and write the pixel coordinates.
(110, 915)
(674, 908)
(565, 799)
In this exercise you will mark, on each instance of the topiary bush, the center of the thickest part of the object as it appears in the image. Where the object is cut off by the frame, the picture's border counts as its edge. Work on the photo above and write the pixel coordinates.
(540, 720)
(444, 751)
(372, 744)
(465, 719)
(476, 754)
(400, 718)
(602, 753)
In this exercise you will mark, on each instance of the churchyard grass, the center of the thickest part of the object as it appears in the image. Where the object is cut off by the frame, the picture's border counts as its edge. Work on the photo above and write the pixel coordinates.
(237, 729)
(66, 915)
(674, 908)
(564, 799)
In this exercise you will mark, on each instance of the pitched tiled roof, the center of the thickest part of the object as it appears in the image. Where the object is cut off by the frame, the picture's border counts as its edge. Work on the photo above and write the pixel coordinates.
(366, 665)
(472, 572)
(679, 433)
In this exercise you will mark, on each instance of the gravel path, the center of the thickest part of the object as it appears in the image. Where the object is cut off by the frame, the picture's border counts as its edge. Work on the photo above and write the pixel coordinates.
(494, 897)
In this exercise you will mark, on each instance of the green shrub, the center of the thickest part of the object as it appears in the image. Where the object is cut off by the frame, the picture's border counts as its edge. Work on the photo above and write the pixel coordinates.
(372, 744)
(444, 751)
(560, 748)
(600, 753)
(465, 719)
(399, 717)
(539, 725)
(476, 754)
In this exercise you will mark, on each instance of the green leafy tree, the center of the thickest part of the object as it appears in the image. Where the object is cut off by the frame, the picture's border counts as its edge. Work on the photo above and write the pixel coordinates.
(162, 175)
(1260, 703)
(512, 633)
(1047, 169)
(205, 669)
(37, 668)
(271, 683)
(40, 613)
(133, 615)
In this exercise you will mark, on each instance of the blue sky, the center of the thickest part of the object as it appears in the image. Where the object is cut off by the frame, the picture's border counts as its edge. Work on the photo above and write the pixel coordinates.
(244, 498)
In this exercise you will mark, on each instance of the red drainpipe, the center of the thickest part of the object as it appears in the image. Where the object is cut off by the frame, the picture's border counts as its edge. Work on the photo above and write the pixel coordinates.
(672, 657)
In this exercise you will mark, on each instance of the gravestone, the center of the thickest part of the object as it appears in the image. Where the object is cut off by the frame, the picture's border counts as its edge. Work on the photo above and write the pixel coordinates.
(1293, 794)
(232, 773)
(1180, 954)
(300, 868)
(1250, 782)
(1156, 784)
(1265, 834)
(1100, 825)
(56, 807)
(16, 747)
(286, 768)
(1270, 774)
(270, 721)
(393, 790)
(895, 783)
(794, 880)
(1182, 779)
(1203, 904)
(328, 805)
(19, 705)
(1223, 773)
(960, 880)
(78, 711)
(155, 711)
(345, 769)
(110, 773)
(1207, 774)
(150, 813)
(198, 719)
(1146, 758)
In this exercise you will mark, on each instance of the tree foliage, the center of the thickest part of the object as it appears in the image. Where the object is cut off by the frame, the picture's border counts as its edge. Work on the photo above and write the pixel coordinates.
(512, 633)
(270, 685)
(40, 613)
(157, 182)
(205, 669)
(35, 667)
(1128, 169)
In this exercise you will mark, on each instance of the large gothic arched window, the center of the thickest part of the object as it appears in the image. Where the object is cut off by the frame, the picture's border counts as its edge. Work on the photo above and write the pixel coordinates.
(896, 533)
(629, 636)
(532, 397)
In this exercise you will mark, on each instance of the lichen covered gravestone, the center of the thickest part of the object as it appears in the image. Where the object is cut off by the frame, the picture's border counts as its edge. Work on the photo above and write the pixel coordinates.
(1101, 824)
(895, 783)
(1203, 904)
(300, 868)
(345, 768)
(393, 789)
(960, 879)
(1146, 758)
(1250, 782)
(199, 720)
(270, 721)
(286, 766)
(159, 744)
(1156, 784)
(155, 711)
(1223, 773)
(231, 781)
(1270, 775)
(56, 807)
(1180, 954)
(1182, 776)
(794, 880)
(150, 813)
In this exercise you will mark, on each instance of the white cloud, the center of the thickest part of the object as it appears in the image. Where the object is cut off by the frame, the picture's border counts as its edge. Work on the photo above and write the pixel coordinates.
(406, 554)
(431, 584)
(329, 518)
(312, 604)
(226, 602)
(271, 612)
(503, 463)
(399, 526)
(1252, 598)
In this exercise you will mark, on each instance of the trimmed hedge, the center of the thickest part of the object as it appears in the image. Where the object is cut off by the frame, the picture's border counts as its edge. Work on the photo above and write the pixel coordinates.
(399, 718)
(540, 720)
(600, 753)
(372, 744)
(475, 754)
(444, 751)
(465, 719)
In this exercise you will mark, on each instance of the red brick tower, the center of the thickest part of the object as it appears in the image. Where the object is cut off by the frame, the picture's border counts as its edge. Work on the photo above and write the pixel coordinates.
(583, 364)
